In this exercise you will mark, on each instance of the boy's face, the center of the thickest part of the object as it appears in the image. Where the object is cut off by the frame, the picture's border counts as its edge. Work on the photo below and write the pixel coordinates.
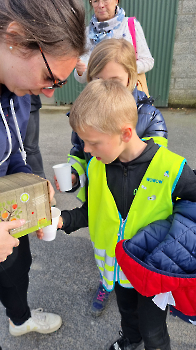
(104, 147)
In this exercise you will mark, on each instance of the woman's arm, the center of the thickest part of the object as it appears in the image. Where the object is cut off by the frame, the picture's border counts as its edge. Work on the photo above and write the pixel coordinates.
(80, 73)
(17, 164)
(145, 61)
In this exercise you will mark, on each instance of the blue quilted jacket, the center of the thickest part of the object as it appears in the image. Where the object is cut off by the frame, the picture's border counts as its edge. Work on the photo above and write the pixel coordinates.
(161, 257)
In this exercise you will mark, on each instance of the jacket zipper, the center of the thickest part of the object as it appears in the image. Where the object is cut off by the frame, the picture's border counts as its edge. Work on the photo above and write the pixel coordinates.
(120, 237)
(124, 197)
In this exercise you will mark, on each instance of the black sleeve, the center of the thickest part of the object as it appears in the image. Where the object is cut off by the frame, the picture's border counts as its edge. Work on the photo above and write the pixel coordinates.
(186, 186)
(76, 218)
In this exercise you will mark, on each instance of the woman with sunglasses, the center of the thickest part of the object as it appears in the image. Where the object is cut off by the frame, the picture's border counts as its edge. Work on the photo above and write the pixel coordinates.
(40, 42)
(109, 21)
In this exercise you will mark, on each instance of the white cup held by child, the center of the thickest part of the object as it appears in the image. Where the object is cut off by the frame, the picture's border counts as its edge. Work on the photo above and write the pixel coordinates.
(63, 175)
(50, 231)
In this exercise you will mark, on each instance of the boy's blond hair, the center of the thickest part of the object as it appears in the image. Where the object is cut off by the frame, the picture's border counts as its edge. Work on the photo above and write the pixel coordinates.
(105, 105)
(117, 50)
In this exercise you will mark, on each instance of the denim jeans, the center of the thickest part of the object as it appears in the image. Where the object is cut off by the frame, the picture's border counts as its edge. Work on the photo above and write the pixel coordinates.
(142, 319)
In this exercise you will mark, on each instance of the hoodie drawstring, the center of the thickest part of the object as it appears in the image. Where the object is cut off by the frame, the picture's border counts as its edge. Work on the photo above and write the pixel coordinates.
(23, 153)
(8, 135)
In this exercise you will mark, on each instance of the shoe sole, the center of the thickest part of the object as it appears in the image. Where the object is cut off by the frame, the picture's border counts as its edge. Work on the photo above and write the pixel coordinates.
(96, 313)
(139, 347)
(17, 334)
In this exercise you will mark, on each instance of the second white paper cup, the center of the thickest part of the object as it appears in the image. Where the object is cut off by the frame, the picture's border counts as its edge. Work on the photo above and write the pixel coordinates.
(50, 231)
(63, 175)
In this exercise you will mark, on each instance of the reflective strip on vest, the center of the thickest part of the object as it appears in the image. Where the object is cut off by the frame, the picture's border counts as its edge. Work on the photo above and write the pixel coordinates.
(123, 281)
(80, 166)
(106, 267)
(82, 180)
(106, 226)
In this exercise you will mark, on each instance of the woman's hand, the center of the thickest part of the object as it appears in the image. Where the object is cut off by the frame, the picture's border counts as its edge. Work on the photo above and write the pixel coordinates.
(80, 67)
(51, 191)
(7, 242)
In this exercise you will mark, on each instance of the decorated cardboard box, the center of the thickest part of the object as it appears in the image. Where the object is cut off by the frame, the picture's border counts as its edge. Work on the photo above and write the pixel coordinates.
(25, 196)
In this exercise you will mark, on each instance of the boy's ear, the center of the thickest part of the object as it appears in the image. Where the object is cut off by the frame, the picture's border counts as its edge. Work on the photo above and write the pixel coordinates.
(126, 134)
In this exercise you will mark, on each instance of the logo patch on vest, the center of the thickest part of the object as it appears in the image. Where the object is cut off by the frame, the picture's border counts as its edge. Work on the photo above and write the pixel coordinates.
(154, 180)
(152, 198)
(166, 174)
(135, 191)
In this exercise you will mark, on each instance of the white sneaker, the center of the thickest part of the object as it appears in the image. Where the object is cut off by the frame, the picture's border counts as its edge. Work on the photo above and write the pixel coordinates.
(41, 322)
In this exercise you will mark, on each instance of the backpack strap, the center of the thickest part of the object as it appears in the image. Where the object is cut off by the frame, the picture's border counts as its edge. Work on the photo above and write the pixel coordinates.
(131, 26)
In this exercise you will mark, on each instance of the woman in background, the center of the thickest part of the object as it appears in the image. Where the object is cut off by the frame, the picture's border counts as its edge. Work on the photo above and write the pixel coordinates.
(109, 21)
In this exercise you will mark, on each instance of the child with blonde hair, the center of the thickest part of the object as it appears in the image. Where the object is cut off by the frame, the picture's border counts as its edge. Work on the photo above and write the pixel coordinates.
(115, 59)
(122, 198)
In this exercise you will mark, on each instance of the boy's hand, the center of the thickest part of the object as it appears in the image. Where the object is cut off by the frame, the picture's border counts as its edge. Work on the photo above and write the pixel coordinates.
(60, 223)
(40, 232)
(73, 178)
(56, 183)
(80, 67)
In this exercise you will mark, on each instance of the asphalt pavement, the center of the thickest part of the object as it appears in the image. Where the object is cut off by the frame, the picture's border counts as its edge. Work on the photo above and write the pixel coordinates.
(64, 276)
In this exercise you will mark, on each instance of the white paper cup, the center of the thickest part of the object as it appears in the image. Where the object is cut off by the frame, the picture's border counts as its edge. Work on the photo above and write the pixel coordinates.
(63, 175)
(50, 231)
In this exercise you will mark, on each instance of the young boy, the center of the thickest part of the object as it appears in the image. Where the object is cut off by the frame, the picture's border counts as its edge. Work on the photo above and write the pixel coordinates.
(131, 183)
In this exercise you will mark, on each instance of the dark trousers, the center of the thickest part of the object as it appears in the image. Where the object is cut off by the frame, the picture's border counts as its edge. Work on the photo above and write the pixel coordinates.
(142, 319)
(14, 282)
(31, 145)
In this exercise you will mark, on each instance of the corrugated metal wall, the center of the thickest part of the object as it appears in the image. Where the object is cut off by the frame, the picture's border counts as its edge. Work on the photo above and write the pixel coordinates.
(158, 20)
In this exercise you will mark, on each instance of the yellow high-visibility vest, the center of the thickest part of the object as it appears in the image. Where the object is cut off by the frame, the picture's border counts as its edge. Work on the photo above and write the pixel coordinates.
(153, 201)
